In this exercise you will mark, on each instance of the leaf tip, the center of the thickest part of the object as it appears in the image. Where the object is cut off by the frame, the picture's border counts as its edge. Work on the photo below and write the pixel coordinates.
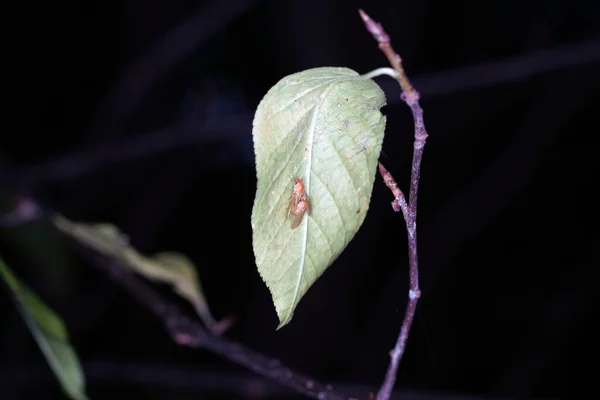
(285, 316)
(283, 322)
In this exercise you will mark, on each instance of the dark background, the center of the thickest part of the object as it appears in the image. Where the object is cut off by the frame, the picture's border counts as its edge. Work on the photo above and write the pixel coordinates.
(139, 113)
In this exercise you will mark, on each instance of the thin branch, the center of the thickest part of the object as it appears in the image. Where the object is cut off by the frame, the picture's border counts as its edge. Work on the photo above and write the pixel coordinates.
(189, 332)
(182, 329)
(399, 203)
(177, 378)
(507, 175)
(144, 73)
(73, 165)
(411, 97)
(63, 167)
(517, 68)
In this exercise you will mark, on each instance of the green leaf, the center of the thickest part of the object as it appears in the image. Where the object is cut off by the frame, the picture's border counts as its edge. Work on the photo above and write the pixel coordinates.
(51, 335)
(179, 271)
(323, 125)
(168, 267)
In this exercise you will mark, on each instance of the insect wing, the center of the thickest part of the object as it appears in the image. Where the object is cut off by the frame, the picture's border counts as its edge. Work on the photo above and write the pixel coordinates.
(299, 211)
(290, 206)
(308, 204)
(297, 220)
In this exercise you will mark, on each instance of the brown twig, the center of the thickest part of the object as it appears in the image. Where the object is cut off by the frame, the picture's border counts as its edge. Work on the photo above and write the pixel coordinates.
(411, 97)
(189, 332)
(182, 329)
(399, 203)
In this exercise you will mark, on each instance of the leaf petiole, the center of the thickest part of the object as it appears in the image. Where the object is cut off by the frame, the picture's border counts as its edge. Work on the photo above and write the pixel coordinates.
(382, 71)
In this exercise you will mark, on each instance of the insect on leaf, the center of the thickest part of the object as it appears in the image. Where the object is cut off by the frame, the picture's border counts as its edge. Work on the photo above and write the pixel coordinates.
(50, 334)
(324, 126)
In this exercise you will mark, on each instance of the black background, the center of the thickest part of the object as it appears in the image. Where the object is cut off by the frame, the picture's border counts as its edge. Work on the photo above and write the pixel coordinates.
(139, 113)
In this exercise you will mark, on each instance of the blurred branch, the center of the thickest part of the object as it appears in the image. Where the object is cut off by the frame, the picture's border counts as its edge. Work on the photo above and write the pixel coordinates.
(507, 175)
(142, 75)
(182, 329)
(409, 208)
(82, 162)
(176, 377)
(511, 69)
(189, 332)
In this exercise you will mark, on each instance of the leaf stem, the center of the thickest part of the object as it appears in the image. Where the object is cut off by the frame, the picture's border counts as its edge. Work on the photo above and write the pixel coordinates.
(409, 209)
(382, 71)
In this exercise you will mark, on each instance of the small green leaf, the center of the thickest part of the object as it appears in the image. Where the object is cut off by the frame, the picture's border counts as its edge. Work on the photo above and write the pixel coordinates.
(179, 271)
(323, 125)
(51, 335)
(168, 267)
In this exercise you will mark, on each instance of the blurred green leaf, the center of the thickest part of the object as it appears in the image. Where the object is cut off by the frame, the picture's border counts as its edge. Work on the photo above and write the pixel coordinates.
(169, 267)
(51, 335)
(323, 125)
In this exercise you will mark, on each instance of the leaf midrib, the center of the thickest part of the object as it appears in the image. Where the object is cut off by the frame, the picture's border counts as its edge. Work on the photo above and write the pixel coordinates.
(310, 138)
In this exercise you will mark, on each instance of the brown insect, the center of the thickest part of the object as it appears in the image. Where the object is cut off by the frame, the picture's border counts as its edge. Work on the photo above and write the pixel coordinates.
(299, 203)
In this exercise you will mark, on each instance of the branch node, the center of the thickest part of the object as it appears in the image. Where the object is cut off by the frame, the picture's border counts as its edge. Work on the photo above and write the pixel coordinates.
(410, 97)
(414, 294)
